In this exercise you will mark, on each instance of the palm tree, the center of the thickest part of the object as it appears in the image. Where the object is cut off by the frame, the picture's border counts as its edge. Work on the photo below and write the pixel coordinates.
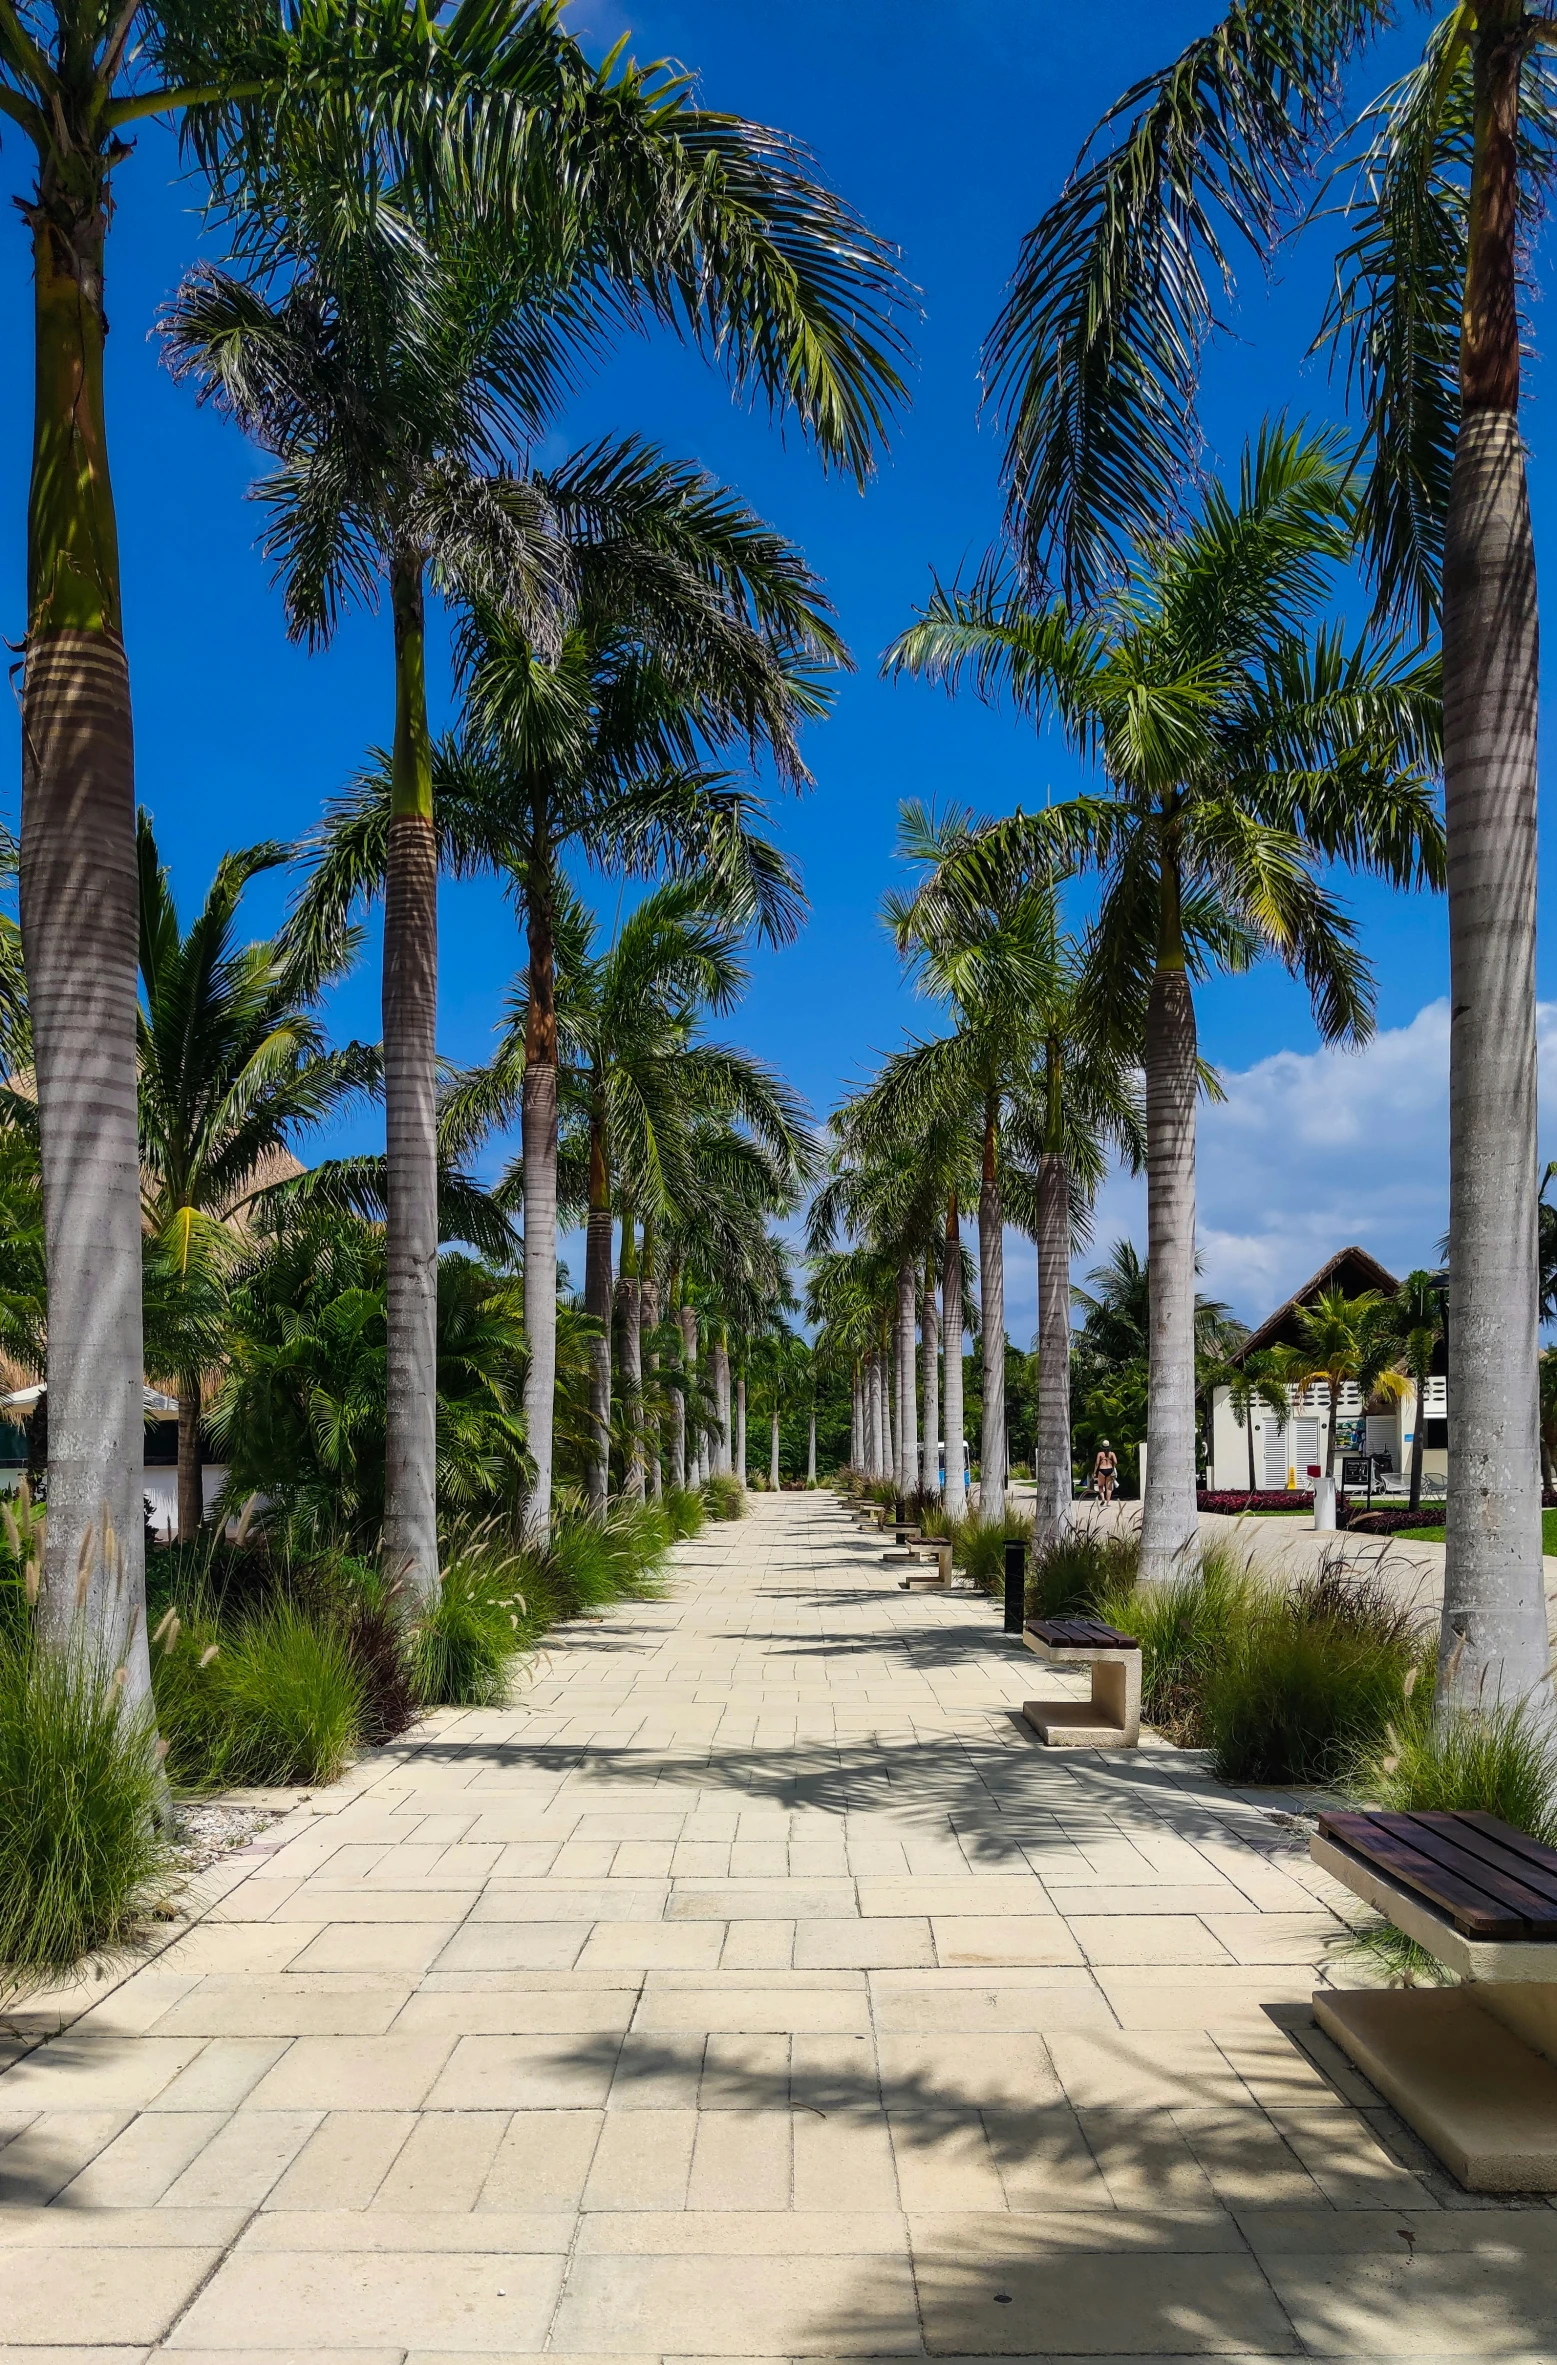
(680, 215)
(1077, 1103)
(232, 1066)
(1094, 366)
(1242, 746)
(1415, 1318)
(1254, 1381)
(1343, 1339)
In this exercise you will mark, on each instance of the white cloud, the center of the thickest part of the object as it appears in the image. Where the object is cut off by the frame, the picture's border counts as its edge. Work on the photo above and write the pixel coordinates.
(1309, 1152)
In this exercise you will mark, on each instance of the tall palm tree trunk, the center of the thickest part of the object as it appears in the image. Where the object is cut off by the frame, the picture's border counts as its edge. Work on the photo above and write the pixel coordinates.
(1248, 1430)
(410, 1009)
(811, 1447)
(598, 1293)
(1414, 1499)
(80, 913)
(740, 1428)
(929, 1331)
(856, 1423)
(686, 1319)
(1051, 1446)
(538, 1122)
(953, 1492)
(992, 1314)
(191, 1483)
(1170, 1529)
(722, 1404)
(889, 1382)
(873, 1417)
(650, 1316)
(632, 1372)
(908, 1415)
(773, 1454)
(1493, 1644)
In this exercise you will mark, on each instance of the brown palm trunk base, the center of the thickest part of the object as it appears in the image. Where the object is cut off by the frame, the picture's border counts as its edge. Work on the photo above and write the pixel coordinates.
(191, 1484)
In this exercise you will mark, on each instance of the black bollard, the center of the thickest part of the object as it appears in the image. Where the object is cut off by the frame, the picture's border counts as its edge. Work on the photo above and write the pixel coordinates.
(1016, 1587)
(900, 1519)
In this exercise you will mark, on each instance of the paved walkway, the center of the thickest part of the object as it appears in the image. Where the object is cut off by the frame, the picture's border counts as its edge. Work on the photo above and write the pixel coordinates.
(755, 1987)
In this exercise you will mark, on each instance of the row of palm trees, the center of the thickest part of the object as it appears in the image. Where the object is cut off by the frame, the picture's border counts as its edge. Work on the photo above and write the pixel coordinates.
(435, 220)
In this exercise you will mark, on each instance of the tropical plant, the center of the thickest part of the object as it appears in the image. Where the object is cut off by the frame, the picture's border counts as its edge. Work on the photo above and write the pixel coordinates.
(1073, 1096)
(1343, 1339)
(1254, 1380)
(233, 1066)
(1243, 745)
(689, 627)
(1094, 367)
(1414, 1321)
(674, 213)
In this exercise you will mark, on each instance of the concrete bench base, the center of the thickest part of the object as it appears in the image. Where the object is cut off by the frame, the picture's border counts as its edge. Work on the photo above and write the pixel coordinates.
(1474, 2091)
(1073, 1724)
(1111, 1719)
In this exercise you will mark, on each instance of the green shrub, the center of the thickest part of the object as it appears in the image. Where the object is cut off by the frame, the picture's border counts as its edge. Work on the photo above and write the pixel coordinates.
(275, 1698)
(461, 1648)
(83, 1856)
(1072, 1577)
(979, 1546)
(725, 1497)
(685, 1512)
(1309, 1680)
(1502, 1762)
(1184, 1627)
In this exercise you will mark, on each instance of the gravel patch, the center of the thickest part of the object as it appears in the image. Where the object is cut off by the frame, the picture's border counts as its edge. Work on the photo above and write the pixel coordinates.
(206, 1831)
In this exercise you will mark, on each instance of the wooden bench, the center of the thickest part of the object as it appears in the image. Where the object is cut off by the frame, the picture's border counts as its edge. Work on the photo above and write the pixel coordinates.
(1111, 1718)
(1473, 2067)
(923, 1577)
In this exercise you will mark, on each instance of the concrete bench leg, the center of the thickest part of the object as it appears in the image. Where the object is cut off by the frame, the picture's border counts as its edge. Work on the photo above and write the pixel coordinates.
(1111, 1719)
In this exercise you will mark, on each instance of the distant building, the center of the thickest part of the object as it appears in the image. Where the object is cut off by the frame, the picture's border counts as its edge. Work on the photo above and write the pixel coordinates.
(1288, 1446)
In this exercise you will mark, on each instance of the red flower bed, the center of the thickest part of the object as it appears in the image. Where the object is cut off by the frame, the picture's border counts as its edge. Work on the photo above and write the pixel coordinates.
(1228, 1500)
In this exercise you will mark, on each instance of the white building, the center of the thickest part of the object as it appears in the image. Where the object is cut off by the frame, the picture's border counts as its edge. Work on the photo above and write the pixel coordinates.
(1288, 1445)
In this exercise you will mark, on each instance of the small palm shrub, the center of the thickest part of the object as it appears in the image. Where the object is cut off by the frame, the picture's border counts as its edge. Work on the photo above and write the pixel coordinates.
(685, 1511)
(83, 1855)
(1073, 1576)
(1309, 1680)
(725, 1497)
(275, 1698)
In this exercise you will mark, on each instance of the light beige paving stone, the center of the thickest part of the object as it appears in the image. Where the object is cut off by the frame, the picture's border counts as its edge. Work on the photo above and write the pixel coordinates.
(352, 2299)
(1093, 2304)
(64, 2296)
(758, 1946)
(52, 2150)
(241, 1946)
(80, 2072)
(571, 1901)
(833, 2073)
(732, 2306)
(286, 2006)
(515, 1946)
(76, 2228)
(543, 2161)
(411, 1947)
(509, 2010)
(762, 1900)
(1142, 2071)
(863, 1945)
(354, 2073)
(956, 2073)
(525, 2073)
(344, 2161)
(221, 2075)
(682, 1946)
(1008, 1999)
(1148, 1938)
(444, 2162)
(642, 2160)
(243, 2161)
(843, 2161)
(371, 1901)
(136, 2169)
(944, 2161)
(754, 2008)
(466, 2231)
(1274, 1937)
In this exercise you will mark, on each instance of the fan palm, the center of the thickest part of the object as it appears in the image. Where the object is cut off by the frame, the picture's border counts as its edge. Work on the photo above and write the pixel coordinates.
(1415, 1319)
(1256, 1380)
(1343, 1339)
(1241, 749)
(613, 175)
(1094, 365)
(233, 1066)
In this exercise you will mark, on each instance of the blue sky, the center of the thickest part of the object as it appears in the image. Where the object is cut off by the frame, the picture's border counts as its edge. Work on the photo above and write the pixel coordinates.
(950, 127)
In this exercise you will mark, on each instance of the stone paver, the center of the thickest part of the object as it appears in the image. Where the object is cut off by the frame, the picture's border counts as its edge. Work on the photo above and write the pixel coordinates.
(754, 1987)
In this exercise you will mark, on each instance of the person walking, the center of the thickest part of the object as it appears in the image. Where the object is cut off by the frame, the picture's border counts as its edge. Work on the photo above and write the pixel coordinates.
(1105, 1472)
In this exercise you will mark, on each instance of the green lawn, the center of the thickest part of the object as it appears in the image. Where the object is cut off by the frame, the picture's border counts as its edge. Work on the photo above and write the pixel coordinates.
(1434, 1535)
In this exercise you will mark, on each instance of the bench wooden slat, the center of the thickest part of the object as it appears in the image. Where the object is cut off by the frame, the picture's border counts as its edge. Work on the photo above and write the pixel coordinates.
(1485, 1840)
(1379, 1841)
(1540, 1861)
(1470, 1863)
(1081, 1634)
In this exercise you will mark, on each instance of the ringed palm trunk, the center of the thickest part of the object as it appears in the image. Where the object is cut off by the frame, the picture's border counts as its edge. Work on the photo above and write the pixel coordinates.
(191, 1484)
(598, 1292)
(908, 1412)
(539, 1154)
(686, 1317)
(740, 1428)
(1051, 1446)
(954, 1495)
(632, 1377)
(722, 1404)
(1414, 1500)
(1170, 1529)
(856, 1425)
(79, 910)
(889, 1373)
(873, 1416)
(1248, 1430)
(773, 1455)
(1493, 1643)
(929, 1475)
(649, 1315)
(410, 1007)
(811, 1447)
(992, 1314)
